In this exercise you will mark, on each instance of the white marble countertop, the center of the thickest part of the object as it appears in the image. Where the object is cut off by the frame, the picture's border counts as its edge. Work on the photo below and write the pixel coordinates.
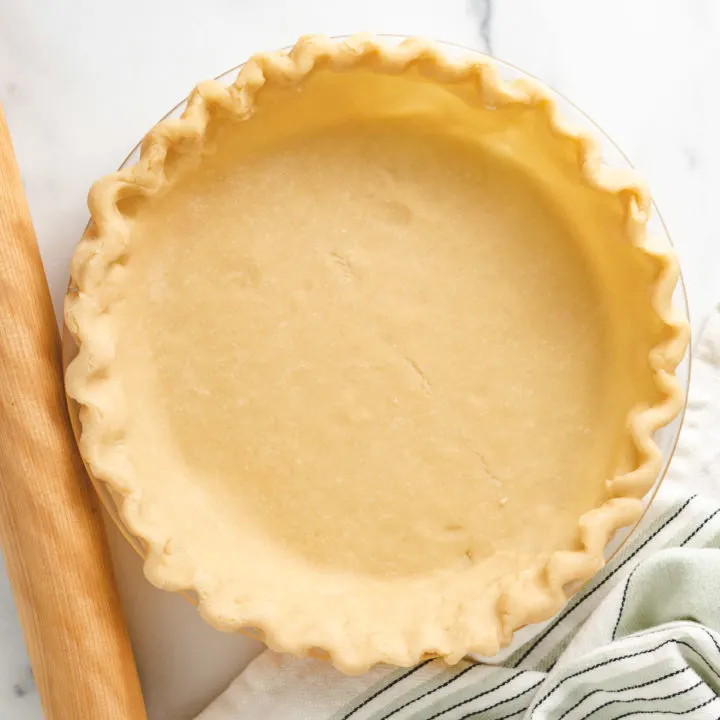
(81, 81)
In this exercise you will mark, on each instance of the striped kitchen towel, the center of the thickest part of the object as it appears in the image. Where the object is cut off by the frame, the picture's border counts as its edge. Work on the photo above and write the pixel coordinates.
(642, 639)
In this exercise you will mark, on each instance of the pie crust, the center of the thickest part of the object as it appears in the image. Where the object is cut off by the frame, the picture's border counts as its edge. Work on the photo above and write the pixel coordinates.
(371, 351)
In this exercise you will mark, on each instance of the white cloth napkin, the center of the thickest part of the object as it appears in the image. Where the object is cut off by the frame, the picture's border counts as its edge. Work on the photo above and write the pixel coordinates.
(641, 639)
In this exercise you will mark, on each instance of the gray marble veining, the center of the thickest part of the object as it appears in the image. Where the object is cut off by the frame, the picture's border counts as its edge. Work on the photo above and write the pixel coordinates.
(483, 9)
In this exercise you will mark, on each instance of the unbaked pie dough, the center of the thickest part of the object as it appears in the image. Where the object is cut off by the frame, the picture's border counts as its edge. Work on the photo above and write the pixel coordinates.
(371, 352)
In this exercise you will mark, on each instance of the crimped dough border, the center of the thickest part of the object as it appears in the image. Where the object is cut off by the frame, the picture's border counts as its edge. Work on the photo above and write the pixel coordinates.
(533, 595)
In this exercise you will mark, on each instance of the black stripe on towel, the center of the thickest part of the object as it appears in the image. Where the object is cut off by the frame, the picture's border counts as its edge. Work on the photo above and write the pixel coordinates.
(645, 699)
(676, 714)
(699, 528)
(669, 641)
(490, 707)
(439, 687)
(625, 689)
(368, 700)
(570, 609)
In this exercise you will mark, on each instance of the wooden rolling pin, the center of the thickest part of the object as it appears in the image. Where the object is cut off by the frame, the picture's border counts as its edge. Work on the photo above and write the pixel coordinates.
(50, 527)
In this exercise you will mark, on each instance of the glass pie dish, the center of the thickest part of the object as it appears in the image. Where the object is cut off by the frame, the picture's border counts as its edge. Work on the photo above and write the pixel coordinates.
(665, 438)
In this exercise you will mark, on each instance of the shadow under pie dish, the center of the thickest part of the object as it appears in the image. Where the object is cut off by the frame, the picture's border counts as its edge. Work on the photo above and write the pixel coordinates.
(372, 348)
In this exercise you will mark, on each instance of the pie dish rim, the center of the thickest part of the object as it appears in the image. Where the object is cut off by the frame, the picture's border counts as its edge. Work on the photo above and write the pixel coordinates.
(557, 596)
